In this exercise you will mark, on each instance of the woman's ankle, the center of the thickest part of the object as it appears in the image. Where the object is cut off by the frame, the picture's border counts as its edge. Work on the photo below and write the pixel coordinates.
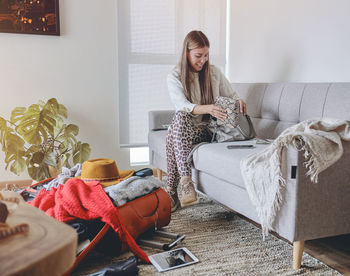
(174, 198)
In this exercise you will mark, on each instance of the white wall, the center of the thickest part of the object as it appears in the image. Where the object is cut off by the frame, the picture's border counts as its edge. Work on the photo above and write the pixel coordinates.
(289, 40)
(79, 68)
(270, 40)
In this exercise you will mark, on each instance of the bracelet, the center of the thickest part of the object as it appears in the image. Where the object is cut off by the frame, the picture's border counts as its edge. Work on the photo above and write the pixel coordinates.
(10, 231)
(9, 199)
(14, 202)
(5, 229)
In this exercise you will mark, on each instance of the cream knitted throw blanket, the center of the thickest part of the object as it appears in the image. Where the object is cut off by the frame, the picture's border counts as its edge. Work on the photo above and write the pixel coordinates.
(320, 140)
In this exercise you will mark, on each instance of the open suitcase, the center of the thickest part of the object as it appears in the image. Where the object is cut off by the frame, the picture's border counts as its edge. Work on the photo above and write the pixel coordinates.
(151, 211)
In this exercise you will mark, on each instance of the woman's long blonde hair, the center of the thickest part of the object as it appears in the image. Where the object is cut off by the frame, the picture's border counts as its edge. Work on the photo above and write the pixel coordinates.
(195, 40)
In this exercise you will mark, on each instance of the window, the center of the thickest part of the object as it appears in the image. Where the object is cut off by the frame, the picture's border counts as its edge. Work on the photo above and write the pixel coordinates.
(150, 36)
(139, 156)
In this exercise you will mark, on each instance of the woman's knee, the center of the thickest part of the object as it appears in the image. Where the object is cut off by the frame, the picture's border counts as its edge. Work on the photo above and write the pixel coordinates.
(182, 118)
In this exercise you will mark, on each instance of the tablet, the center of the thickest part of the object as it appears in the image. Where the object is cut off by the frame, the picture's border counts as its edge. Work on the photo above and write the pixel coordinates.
(172, 259)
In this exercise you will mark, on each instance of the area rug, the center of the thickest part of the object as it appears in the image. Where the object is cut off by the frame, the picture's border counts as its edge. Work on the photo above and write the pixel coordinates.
(225, 244)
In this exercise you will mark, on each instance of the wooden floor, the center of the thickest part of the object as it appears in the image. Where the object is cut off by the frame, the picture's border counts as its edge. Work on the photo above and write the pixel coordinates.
(333, 251)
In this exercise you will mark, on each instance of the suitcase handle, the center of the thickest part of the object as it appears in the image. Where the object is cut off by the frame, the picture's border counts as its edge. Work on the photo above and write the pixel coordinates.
(153, 212)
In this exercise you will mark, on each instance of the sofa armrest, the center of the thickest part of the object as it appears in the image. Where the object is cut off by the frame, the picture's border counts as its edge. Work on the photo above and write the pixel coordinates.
(158, 119)
(314, 210)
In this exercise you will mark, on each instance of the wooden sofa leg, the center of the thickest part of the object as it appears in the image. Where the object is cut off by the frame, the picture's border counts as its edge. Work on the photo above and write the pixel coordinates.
(159, 174)
(298, 248)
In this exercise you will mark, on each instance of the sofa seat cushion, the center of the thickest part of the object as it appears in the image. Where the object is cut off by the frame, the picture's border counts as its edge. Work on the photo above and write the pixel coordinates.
(157, 142)
(215, 159)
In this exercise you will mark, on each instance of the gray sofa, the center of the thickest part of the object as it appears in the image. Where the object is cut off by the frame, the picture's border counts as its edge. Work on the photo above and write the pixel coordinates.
(308, 211)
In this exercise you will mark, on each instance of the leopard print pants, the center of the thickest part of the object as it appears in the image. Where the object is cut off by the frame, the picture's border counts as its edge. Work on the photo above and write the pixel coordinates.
(182, 135)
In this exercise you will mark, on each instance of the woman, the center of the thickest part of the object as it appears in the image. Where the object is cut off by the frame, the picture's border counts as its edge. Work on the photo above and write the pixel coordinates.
(193, 86)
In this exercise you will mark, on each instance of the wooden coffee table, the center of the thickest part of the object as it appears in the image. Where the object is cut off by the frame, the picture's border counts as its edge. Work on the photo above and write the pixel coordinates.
(48, 249)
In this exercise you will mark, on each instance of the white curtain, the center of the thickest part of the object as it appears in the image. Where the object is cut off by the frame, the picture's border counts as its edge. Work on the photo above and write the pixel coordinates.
(150, 36)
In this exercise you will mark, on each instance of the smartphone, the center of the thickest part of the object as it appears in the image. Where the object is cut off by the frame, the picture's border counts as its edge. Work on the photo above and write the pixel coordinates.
(239, 146)
(172, 259)
(144, 172)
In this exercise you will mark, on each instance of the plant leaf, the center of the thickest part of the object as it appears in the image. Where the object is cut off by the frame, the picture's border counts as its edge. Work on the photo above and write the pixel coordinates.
(3, 131)
(65, 160)
(18, 165)
(9, 137)
(50, 159)
(62, 110)
(48, 121)
(39, 173)
(37, 168)
(13, 142)
(70, 132)
(36, 124)
(2, 124)
(14, 154)
(32, 149)
(37, 158)
(62, 148)
(81, 152)
(52, 106)
(29, 125)
(59, 111)
(59, 127)
(17, 114)
(68, 136)
(71, 129)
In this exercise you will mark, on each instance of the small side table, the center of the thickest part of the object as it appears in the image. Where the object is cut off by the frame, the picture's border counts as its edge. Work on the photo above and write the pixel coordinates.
(48, 249)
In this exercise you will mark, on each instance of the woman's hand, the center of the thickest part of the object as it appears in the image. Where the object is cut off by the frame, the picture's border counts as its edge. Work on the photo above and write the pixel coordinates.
(212, 109)
(217, 111)
(242, 107)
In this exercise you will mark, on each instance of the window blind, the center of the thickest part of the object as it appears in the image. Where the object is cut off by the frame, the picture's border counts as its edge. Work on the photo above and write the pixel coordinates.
(150, 37)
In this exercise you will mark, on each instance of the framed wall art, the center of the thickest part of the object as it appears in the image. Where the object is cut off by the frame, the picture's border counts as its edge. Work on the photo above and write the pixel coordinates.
(30, 17)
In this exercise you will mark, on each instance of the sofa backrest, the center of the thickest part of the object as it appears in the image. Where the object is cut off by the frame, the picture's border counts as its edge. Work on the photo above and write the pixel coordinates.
(276, 106)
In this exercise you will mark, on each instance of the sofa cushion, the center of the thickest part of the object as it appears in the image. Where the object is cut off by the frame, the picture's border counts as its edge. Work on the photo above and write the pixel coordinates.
(268, 128)
(217, 160)
(337, 104)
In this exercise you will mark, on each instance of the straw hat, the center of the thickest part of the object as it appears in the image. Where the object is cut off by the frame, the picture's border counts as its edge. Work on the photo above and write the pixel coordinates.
(103, 170)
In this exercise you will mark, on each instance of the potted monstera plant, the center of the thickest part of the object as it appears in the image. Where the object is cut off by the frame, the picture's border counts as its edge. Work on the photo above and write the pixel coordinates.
(38, 139)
